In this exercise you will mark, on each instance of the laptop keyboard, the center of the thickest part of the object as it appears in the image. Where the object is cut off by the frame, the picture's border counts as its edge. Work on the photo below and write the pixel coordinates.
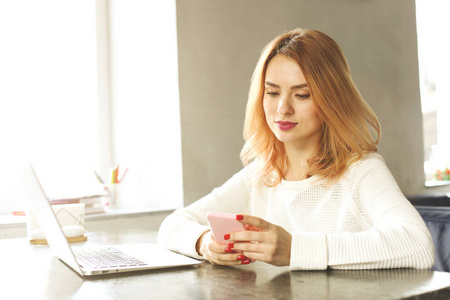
(103, 258)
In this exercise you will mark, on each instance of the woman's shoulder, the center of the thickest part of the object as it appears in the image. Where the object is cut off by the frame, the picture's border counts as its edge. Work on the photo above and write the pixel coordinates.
(251, 175)
(369, 163)
(371, 158)
(369, 169)
(246, 174)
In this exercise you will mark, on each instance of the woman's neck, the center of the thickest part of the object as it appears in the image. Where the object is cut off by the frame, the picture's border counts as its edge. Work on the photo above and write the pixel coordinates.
(297, 165)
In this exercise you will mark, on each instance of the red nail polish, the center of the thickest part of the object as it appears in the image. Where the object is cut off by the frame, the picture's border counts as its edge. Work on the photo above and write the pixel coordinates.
(241, 257)
(228, 250)
(245, 261)
(239, 217)
(231, 245)
(226, 237)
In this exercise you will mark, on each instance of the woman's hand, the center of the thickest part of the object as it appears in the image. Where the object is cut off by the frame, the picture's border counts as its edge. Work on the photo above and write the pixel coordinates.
(262, 241)
(219, 254)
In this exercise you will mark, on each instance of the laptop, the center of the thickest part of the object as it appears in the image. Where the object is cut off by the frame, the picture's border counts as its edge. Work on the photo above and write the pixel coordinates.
(87, 261)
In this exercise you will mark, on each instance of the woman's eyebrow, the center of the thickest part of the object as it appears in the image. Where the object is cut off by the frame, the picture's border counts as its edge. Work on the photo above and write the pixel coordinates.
(294, 87)
(272, 84)
(300, 86)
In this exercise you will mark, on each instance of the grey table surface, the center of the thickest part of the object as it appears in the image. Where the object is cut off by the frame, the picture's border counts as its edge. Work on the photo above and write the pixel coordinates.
(31, 272)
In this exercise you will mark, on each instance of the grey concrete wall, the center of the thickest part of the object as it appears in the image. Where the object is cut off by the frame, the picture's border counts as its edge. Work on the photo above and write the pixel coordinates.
(219, 42)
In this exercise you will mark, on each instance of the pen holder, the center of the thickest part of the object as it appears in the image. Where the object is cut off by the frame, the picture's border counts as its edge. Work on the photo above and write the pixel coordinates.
(113, 194)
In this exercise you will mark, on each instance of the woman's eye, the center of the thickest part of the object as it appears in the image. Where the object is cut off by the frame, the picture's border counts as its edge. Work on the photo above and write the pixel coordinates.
(303, 96)
(272, 93)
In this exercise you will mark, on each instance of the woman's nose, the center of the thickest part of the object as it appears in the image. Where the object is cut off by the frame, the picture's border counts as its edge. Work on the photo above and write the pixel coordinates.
(284, 106)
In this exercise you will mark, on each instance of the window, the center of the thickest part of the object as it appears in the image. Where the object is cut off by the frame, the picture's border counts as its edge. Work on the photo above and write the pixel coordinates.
(48, 106)
(146, 130)
(433, 26)
(84, 84)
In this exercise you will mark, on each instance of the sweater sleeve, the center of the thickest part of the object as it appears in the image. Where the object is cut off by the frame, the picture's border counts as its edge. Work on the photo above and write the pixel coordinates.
(397, 238)
(309, 251)
(180, 231)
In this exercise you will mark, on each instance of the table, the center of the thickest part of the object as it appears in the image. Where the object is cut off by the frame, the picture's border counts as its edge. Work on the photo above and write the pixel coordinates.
(41, 276)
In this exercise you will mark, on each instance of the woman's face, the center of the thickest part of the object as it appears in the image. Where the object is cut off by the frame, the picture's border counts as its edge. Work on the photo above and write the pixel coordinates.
(289, 109)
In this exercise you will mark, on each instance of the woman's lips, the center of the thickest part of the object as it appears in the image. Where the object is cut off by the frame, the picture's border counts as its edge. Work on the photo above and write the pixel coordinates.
(285, 125)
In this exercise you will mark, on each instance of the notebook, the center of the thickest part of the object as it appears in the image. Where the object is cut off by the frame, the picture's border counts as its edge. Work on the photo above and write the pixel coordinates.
(86, 261)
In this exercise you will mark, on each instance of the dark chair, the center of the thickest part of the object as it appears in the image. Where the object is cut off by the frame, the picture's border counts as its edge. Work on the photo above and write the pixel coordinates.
(435, 211)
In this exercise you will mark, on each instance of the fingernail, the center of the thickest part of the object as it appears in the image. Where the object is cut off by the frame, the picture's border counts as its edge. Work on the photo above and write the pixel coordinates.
(226, 237)
(231, 245)
(229, 250)
(239, 217)
(245, 261)
(241, 257)
(252, 260)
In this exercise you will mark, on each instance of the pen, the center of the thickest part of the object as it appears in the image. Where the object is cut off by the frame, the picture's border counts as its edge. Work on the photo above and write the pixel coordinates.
(113, 176)
(123, 175)
(98, 177)
(116, 174)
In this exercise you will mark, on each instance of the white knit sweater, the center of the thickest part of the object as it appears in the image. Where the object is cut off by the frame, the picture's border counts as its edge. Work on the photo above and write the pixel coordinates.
(363, 221)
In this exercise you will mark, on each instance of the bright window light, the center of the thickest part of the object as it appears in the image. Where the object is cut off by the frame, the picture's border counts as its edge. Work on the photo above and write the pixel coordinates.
(48, 94)
(433, 26)
(58, 109)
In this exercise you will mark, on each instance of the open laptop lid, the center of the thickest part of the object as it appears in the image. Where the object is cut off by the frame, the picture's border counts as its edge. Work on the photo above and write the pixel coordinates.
(47, 219)
(151, 254)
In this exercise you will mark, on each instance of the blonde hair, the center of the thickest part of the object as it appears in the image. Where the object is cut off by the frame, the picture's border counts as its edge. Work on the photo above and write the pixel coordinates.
(348, 122)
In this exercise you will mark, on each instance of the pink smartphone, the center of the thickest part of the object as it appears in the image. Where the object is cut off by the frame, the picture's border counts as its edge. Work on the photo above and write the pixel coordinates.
(223, 223)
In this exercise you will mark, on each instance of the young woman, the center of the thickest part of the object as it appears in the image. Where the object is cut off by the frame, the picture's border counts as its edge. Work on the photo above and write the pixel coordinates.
(314, 193)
